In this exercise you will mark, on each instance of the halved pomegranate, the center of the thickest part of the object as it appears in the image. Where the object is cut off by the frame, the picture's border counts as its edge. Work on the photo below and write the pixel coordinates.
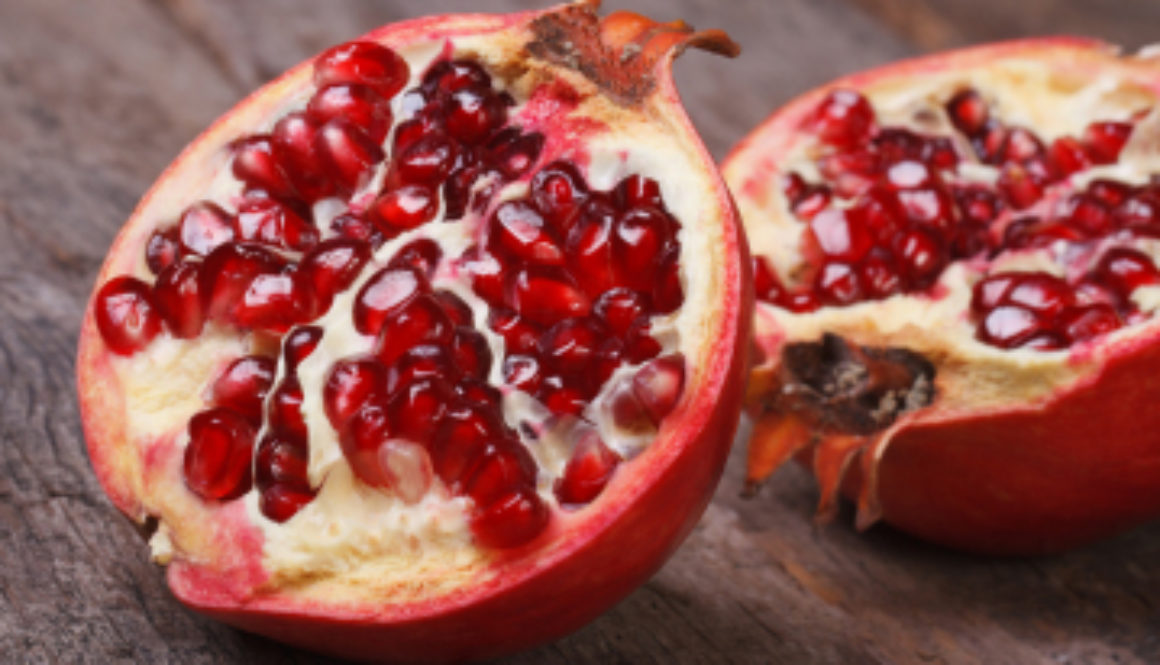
(956, 264)
(372, 353)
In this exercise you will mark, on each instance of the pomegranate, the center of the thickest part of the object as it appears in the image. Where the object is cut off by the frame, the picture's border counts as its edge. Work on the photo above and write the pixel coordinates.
(956, 269)
(433, 348)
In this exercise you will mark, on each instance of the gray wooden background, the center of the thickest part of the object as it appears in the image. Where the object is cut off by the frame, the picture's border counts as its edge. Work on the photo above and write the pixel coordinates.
(97, 96)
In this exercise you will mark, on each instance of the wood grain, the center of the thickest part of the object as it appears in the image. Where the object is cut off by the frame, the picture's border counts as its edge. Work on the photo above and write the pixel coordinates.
(99, 96)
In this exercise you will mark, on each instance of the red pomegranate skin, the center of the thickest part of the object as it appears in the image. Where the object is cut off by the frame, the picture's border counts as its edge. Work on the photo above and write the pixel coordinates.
(571, 572)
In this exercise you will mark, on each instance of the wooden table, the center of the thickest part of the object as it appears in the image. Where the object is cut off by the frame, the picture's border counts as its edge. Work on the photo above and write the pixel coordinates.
(96, 97)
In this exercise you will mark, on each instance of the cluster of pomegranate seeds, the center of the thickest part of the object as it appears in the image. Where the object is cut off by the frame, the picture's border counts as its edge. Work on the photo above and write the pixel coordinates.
(572, 277)
(892, 210)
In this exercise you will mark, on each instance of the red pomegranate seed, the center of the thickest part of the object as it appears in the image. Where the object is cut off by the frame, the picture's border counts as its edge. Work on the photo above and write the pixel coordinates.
(242, 386)
(1126, 269)
(504, 466)
(844, 118)
(1108, 192)
(658, 386)
(637, 191)
(282, 460)
(404, 208)
(557, 190)
(422, 254)
(1044, 294)
(589, 247)
(978, 205)
(619, 308)
(878, 211)
(989, 142)
(275, 302)
(1022, 145)
(562, 398)
(588, 471)
(840, 236)
(459, 312)
(519, 229)
(511, 521)
(968, 112)
(420, 321)
(879, 277)
(332, 266)
(1088, 291)
(1067, 156)
(850, 173)
(940, 153)
(385, 292)
(570, 346)
(639, 240)
(204, 227)
(217, 457)
(348, 156)
(294, 139)
(1008, 326)
(929, 207)
(126, 314)
(811, 202)
(793, 185)
(801, 301)
(299, 344)
(365, 63)
(357, 228)
(1087, 213)
(969, 240)
(351, 383)
(522, 372)
(227, 274)
(280, 502)
(514, 156)
(177, 294)
(668, 294)
(909, 174)
(545, 299)
(358, 104)
(767, 285)
(520, 335)
(447, 76)
(427, 161)
(269, 222)
(417, 362)
(407, 469)
(609, 357)
(256, 164)
(1138, 211)
(1086, 322)
(460, 440)
(459, 186)
(920, 256)
(1105, 140)
(473, 113)
(838, 284)
(285, 408)
(487, 274)
(471, 353)
(1046, 341)
(991, 291)
(639, 344)
(163, 249)
(363, 435)
(416, 409)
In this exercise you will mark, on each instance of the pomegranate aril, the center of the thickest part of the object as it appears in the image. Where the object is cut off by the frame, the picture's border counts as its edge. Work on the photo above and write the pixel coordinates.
(640, 238)
(458, 311)
(1040, 292)
(1108, 192)
(515, 155)
(1087, 214)
(1046, 341)
(545, 299)
(347, 154)
(352, 382)
(608, 358)
(404, 208)
(990, 292)
(406, 467)
(989, 142)
(126, 314)
(811, 202)
(588, 471)
(921, 257)
(294, 148)
(228, 272)
(357, 228)
(177, 294)
(284, 412)
(1008, 326)
(365, 63)
(801, 301)
(840, 236)
(275, 302)
(280, 502)
(257, 165)
(668, 294)
(838, 283)
(420, 321)
(658, 386)
(471, 353)
(1022, 145)
(386, 292)
(358, 104)
(332, 266)
(487, 274)
(511, 521)
(1067, 156)
(619, 308)
(639, 344)
(503, 466)
(427, 161)
(590, 247)
(562, 398)
(422, 254)
(968, 112)
(281, 460)
(163, 249)
(461, 438)
(217, 458)
(520, 336)
(522, 372)
(360, 439)
(928, 207)
(416, 409)
(978, 205)
(1126, 269)
(473, 113)
(204, 227)
(844, 118)
(479, 393)
(1105, 140)
(1089, 291)
(242, 386)
(1086, 322)
(850, 173)
(299, 344)
(557, 190)
(418, 362)
(518, 228)
(637, 191)
(448, 76)
(879, 278)
(569, 346)
(269, 222)
(1138, 211)
(909, 174)
(767, 286)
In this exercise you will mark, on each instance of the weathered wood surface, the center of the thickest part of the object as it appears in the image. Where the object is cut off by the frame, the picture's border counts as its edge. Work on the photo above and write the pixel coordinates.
(96, 97)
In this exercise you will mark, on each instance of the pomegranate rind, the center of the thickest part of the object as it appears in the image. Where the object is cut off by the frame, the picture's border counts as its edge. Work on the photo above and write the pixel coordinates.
(585, 560)
(1019, 453)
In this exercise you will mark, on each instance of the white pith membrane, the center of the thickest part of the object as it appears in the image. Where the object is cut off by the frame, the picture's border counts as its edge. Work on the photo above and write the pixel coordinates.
(1039, 90)
(352, 537)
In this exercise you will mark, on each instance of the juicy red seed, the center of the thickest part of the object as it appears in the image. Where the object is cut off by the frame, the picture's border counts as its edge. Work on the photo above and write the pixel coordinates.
(609, 357)
(505, 466)
(473, 113)
(1067, 156)
(920, 256)
(126, 314)
(285, 408)
(1008, 326)
(459, 311)
(358, 104)
(333, 265)
(422, 254)
(420, 321)
(511, 521)
(879, 277)
(978, 205)
(1126, 269)
(417, 409)
(969, 240)
(519, 229)
(639, 344)
(350, 384)
(588, 470)
(844, 118)
(242, 386)
(668, 294)
(968, 112)
(658, 386)
(228, 272)
(1087, 213)
(851, 173)
(256, 164)
(457, 191)
(1137, 211)
(282, 460)
(1105, 140)
(1045, 341)
(989, 142)
(427, 161)
(990, 292)
(929, 207)
(839, 236)
(801, 301)
(217, 457)
(204, 227)
(940, 153)
(838, 284)
(1092, 292)
(879, 212)
(522, 372)
(357, 228)
(294, 148)
(619, 308)
(299, 344)
(637, 191)
(1022, 145)
(562, 398)
(589, 248)
(275, 302)
(460, 440)
(163, 249)
(812, 201)
(386, 292)
(404, 208)
(363, 435)
(178, 296)
(767, 286)
(514, 157)
(448, 76)
(520, 335)
(487, 274)
(909, 174)
(1090, 321)
(557, 190)
(639, 239)
(1108, 192)
(347, 154)
(1044, 294)
(365, 63)
(269, 222)
(793, 185)
(280, 502)
(545, 299)
(471, 353)
(570, 346)
(418, 362)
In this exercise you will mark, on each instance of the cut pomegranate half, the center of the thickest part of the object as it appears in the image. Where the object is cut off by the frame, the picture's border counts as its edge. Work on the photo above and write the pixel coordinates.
(371, 396)
(962, 337)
